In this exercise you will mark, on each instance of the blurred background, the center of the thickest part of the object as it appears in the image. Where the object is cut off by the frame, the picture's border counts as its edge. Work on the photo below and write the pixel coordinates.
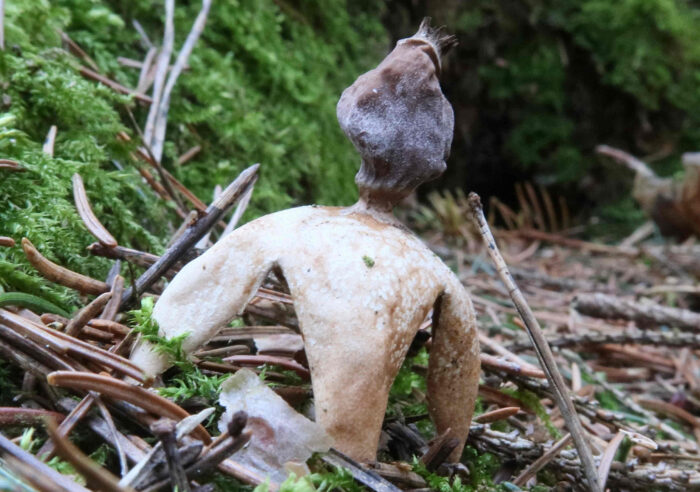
(536, 85)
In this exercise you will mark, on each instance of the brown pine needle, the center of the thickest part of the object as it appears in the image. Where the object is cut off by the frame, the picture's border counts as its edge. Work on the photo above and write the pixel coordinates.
(92, 223)
(61, 275)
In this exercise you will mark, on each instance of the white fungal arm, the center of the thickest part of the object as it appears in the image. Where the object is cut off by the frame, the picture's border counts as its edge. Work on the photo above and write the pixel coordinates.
(453, 370)
(206, 294)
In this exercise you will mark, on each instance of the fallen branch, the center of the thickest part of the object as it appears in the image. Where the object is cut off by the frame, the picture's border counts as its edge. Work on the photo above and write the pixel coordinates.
(643, 313)
(648, 337)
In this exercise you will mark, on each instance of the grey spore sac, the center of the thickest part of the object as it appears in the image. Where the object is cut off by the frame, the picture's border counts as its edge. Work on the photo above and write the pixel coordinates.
(399, 120)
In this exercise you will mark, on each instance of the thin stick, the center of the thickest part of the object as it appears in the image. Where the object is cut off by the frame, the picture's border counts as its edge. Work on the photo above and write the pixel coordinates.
(240, 210)
(142, 84)
(542, 461)
(161, 71)
(164, 430)
(190, 237)
(50, 140)
(78, 51)
(77, 412)
(544, 353)
(643, 313)
(667, 339)
(95, 475)
(627, 159)
(2, 25)
(115, 86)
(158, 137)
(144, 37)
(187, 156)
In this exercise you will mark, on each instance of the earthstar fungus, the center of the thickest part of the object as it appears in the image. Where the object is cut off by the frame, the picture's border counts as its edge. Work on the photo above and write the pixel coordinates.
(362, 283)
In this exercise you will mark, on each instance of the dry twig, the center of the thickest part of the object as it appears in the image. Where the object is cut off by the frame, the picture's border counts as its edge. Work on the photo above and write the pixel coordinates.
(542, 349)
(644, 313)
(229, 196)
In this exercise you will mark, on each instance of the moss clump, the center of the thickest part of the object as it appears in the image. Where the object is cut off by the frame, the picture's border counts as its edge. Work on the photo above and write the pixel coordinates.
(41, 88)
(261, 87)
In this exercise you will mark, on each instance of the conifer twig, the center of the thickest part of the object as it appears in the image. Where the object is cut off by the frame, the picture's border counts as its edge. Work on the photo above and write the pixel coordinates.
(643, 313)
(544, 353)
(193, 233)
(648, 337)
(158, 137)
(161, 71)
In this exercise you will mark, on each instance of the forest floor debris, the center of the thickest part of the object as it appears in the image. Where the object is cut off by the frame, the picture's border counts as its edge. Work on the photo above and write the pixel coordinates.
(635, 382)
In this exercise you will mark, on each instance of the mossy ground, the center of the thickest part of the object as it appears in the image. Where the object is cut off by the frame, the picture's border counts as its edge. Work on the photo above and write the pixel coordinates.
(261, 87)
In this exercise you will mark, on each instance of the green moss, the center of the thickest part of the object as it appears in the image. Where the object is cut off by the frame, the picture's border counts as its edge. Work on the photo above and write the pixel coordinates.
(482, 467)
(532, 402)
(407, 384)
(41, 87)
(187, 380)
(368, 261)
(261, 87)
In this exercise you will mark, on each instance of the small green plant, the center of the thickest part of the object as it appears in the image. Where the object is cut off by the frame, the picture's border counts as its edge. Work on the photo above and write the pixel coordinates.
(66, 468)
(148, 328)
(407, 384)
(190, 381)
